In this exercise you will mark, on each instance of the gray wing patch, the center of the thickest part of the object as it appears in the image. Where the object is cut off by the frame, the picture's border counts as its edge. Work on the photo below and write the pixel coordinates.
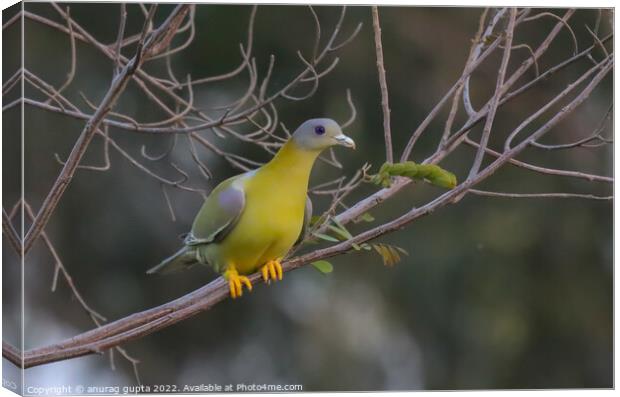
(307, 218)
(219, 214)
(232, 202)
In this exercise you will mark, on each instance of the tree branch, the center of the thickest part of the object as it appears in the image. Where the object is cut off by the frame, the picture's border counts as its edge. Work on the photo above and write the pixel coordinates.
(12, 354)
(486, 131)
(385, 102)
(11, 234)
(116, 89)
(544, 170)
(143, 323)
(257, 108)
(539, 195)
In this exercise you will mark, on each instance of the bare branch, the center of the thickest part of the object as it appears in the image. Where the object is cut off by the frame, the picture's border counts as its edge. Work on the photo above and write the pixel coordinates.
(474, 52)
(209, 124)
(385, 103)
(544, 170)
(539, 195)
(435, 111)
(106, 156)
(598, 41)
(60, 267)
(458, 137)
(549, 104)
(529, 49)
(160, 53)
(317, 34)
(486, 132)
(11, 21)
(119, 38)
(353, 111)
(256, 109)
(563, 21)
(71, 73)
(12, 354)
(348, 39)
(11, 234)
(477, 46)
(246, 55)
(12, 81)
(596, 135)
(116, 89)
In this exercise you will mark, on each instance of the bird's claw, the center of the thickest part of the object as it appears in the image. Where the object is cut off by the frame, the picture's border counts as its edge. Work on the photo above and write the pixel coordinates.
(272, 270)
(236, 283)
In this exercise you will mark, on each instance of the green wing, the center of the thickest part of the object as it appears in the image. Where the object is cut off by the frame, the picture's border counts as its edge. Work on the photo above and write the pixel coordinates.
(182, 259)
(217, 217)
(219, 213)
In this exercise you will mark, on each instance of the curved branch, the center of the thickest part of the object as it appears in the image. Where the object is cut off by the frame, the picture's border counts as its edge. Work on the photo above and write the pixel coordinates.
(12, 354)
(11, 234)
(114, 92)
(245, 53)
(539, 195)
(385, 103)
(544, 170)
(143, 323)
(494, 102)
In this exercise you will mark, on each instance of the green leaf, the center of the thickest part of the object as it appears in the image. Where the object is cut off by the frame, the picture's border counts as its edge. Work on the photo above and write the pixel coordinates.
(323, 266)
(341, 227)
(341, 232)
(365, 217)
(326, 237)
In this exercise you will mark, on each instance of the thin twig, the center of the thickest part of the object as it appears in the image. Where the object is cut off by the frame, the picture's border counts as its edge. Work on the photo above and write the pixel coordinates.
(549, 104)
(140, 324)
(477, 47)
(596, 135)
(12, 81)
(11, 234)
(435, 111)
(539, 195)
(119, 38)
(106, 156)
(71, 74)
(352, 109)
(486, 132)
(257, 114)
(563, 21)
(385, 103)
(598, 41)
(474, 51)
(545, 170)
(59, 267)
(114, 92)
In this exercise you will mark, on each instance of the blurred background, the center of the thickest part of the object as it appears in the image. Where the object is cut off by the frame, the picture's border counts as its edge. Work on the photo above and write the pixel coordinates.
(495, 292)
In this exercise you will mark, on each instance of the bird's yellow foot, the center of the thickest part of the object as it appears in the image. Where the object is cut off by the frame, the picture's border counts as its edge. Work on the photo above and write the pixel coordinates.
(236, 282)
(272, 270)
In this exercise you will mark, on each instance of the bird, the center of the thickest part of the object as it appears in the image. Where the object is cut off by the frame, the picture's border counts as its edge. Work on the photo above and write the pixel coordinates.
(250, 221)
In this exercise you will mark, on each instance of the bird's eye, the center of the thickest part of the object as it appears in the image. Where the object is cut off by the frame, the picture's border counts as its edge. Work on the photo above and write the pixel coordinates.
(319, 130)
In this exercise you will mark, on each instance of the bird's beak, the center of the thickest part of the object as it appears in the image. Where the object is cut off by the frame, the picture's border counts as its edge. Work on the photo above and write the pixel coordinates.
(344, 140)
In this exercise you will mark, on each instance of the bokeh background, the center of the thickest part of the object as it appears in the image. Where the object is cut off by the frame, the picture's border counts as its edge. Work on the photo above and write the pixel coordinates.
(496, 293)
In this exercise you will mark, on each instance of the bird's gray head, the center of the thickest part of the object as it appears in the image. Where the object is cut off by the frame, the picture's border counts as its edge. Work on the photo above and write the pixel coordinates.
(319, 134)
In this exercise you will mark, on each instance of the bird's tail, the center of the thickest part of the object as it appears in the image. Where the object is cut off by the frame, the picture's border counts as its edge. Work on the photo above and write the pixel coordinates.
(183, 259)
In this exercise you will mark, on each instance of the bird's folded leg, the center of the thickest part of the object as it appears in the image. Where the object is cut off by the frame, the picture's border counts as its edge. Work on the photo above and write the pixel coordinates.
(272, 270)
(236, 282)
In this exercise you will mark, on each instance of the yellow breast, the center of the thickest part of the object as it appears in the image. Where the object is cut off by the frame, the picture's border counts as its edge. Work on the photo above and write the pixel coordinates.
(273, 216)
